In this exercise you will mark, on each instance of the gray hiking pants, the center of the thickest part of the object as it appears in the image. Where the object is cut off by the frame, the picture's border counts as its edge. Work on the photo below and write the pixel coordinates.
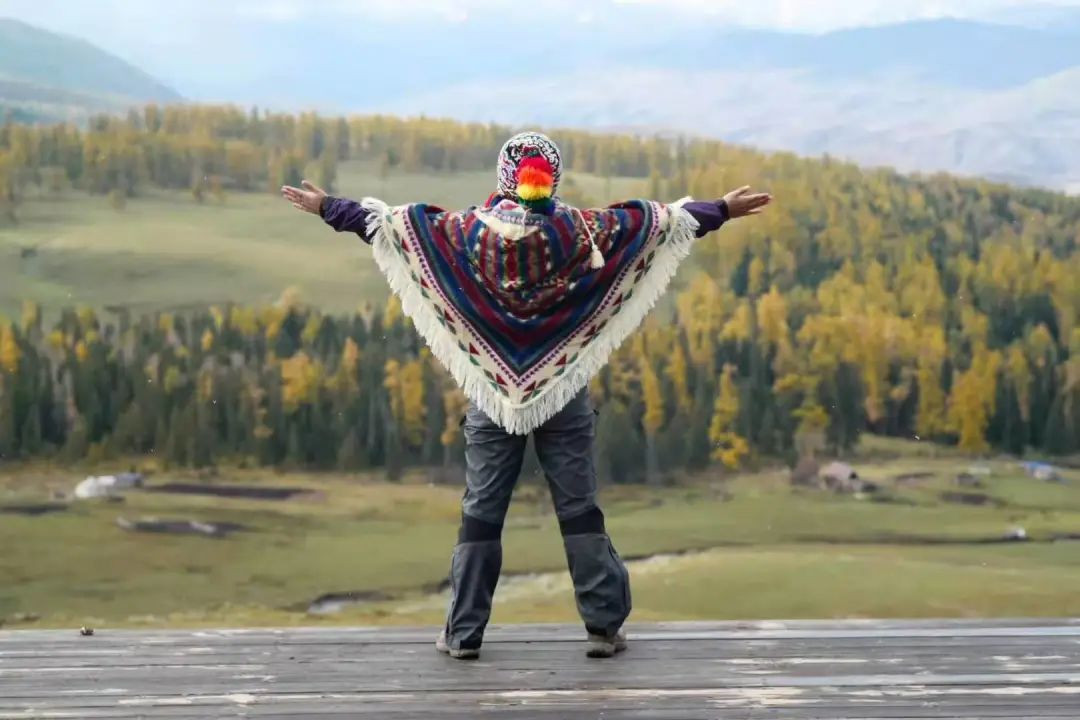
(493, 458)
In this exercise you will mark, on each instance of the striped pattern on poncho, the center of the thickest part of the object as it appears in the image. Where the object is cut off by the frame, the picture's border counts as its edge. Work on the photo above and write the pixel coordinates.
(507, 301)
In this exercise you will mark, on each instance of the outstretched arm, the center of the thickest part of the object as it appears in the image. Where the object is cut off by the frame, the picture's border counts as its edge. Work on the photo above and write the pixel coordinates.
(736, 204)
(709, 215)
(339, 213)
(617, 222)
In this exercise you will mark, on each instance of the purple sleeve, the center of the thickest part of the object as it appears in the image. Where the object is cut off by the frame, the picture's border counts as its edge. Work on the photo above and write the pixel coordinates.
(710, 215)
(345, 216)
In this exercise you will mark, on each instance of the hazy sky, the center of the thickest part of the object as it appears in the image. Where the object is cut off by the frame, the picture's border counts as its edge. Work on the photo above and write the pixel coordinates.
(155, 20)
(173, 38)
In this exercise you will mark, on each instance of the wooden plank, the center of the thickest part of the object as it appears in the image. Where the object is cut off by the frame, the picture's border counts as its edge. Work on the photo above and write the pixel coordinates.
(862, 669)
(113, 639)
(503, 667)
(657, 712)
(782, 701)
(1018, 656)
(1021, 655)
(712, 706)
(764, 629)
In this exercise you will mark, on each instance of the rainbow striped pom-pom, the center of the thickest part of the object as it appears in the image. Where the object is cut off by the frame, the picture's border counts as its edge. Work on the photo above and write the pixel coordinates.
(535, 180)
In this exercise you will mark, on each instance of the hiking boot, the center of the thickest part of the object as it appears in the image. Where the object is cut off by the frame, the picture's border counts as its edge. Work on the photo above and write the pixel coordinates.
(604, 646)
(459, 654)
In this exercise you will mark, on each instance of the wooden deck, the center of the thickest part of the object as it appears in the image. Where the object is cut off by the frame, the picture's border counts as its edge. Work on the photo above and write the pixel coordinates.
(827, 670)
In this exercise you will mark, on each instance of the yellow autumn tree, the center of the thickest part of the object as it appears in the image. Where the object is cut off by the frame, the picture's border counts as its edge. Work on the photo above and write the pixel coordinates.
(31, 315)
(311, 328)
(219, 317)
(244, 320)
(392, 314)
(206, 384)
(701, 314)
(728, 446)
(677, 371)
(9, 349)
(756, 277)
(300, 378)
(1041, 346)
(1018, 373)
(772, 318)
(392, 385)
(166, 323)
(56, 340)
(971, 403)
(740, 324)
(622, 372)
(87, 317)
(404, 385)
(455, 404)
(653, 418)
(883, 341)
(826, 341)
(273, 319)
(414, 410)
(931, 419)
(810, 432)
(174, 380)
(345, 379)
(921, 296)
(976, 326)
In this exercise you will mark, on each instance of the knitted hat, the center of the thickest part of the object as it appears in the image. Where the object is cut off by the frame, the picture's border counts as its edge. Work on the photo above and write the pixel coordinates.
(530, 168)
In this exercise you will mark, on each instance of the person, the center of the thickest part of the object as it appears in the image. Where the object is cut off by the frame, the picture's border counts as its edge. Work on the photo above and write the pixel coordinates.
(523, 299)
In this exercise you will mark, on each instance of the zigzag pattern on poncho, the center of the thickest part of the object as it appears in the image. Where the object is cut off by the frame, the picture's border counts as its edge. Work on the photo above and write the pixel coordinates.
(507, 301)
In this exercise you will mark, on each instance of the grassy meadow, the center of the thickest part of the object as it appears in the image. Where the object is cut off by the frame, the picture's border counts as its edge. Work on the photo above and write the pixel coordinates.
(713, 547)
(753, 548)
(165, 251)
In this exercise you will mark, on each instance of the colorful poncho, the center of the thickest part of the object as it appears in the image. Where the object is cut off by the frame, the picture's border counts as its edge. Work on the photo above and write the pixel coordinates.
(507, 301)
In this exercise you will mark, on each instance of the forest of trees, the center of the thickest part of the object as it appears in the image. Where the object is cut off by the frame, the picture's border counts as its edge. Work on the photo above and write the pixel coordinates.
(865, 301)
(202, 148)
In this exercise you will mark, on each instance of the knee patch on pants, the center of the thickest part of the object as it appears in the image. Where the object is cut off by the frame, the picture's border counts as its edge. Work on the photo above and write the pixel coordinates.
(476, 530)
(590, 522)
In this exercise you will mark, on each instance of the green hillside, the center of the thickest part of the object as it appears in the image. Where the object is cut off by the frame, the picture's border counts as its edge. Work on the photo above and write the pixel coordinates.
(165, 251)
(928, 308)
(46, 76)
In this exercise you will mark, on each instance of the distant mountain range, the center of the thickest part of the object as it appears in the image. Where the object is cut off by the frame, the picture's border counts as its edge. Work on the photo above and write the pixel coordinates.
(45, 76)
(998, 98)
(982, 99)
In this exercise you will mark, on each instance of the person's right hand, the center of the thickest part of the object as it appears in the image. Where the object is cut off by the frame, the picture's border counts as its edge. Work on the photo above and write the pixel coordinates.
(742, 202)
(309, 199)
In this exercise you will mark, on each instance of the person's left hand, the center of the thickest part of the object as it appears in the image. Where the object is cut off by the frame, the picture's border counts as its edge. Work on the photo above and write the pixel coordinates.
(309, 199)
(742, 202)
